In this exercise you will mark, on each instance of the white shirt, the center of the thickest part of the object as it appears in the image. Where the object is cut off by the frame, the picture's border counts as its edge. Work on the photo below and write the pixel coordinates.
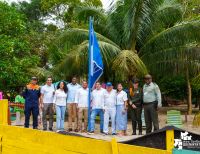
(72, 88)
(121, 97)
(98, 98)
(48, 92)
(110, 99)
(60, 98)
(81, 97)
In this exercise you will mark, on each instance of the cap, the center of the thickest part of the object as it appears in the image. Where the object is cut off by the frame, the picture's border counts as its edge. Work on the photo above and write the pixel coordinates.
(108, 84)
(148, 76)
(136, 80)
(34, 78)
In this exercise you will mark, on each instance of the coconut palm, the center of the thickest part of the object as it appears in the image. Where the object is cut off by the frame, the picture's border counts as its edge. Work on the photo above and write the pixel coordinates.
(138, 32)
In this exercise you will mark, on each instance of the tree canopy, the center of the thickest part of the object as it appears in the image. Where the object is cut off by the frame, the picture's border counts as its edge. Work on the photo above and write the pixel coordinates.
(50, 37)
(16, 58)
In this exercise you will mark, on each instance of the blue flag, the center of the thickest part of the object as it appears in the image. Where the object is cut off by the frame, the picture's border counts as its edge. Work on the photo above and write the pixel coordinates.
(95, 65)
(95, 58)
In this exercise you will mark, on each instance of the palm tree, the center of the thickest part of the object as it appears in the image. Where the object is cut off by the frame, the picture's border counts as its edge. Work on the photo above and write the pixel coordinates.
(138, 32)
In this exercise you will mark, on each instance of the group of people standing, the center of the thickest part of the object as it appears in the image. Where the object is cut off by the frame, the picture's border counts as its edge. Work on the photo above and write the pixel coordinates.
(148, 98)
(108, 103)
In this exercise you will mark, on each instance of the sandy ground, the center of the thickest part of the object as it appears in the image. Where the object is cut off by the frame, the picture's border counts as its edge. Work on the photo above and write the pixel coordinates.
(162, 122)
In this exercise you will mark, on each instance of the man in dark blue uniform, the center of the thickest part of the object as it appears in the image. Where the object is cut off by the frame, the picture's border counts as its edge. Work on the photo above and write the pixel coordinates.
(31, 95)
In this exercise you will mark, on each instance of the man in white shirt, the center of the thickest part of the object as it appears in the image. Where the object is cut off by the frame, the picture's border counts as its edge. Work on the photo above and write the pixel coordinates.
(97, 107)
(71, 105)
(81, 99)
(109, 108)
(47, 96)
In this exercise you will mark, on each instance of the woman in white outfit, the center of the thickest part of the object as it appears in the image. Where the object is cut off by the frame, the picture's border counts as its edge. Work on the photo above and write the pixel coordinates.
(60, 105)
(121, 113)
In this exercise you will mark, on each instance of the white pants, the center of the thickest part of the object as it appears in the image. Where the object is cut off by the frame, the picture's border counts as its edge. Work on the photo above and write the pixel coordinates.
(109, 113)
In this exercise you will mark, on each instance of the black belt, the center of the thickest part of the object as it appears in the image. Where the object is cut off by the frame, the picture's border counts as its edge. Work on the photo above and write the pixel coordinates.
(149, 103)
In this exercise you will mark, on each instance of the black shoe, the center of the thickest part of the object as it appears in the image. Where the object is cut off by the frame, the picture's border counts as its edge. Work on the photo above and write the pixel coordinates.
(35, 128)
(50, 129)
(134, 133)
(114, 134)
(44, 129)
(91, 132)
(70, 129)
(101, 131)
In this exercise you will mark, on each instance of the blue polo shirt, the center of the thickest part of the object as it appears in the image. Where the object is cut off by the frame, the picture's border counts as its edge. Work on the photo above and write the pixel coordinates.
(72, 88)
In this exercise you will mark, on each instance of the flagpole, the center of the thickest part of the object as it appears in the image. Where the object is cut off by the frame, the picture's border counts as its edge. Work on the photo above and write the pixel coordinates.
(89, 76)
(95, 66)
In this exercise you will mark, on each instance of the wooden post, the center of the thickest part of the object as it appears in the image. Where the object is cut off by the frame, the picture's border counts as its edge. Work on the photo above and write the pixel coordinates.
(169, 140)
(4, 111)
(186, 120)
(114, 146)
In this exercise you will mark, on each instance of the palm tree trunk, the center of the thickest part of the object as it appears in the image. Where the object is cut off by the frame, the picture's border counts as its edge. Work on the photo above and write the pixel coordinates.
(189, 94)
(133, 45)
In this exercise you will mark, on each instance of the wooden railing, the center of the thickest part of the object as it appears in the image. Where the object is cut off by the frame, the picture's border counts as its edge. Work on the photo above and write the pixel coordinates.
(11, 104)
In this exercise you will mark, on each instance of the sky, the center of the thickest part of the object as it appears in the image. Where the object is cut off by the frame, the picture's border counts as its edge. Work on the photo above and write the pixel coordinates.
(106, 3)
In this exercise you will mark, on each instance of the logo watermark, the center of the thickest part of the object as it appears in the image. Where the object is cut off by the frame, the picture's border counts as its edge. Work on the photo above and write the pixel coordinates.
(186, 142)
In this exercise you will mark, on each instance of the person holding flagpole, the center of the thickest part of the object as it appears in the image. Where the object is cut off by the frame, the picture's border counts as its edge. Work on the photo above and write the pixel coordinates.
(95, 67)
(97, 106)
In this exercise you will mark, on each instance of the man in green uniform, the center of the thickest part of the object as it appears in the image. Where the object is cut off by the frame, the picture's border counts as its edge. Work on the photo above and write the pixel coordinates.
(151, 100)
(136, 107)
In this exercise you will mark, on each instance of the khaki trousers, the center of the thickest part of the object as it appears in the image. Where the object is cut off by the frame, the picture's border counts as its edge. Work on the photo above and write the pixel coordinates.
(72, 115)
(82, 113)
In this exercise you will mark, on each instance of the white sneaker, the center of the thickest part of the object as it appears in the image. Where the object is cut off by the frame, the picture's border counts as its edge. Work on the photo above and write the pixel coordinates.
(57, 131)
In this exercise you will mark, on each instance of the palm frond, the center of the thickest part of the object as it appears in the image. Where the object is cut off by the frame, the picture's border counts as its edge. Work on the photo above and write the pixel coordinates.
(179, 35)
(166, 15)
(76, 62)
(170, 12)
(115, 23)
(84, 12)
(68, 40)
(175, 61)
(128, 63)
(138, 13)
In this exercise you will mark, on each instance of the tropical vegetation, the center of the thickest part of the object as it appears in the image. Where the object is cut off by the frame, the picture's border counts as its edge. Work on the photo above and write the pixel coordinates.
(136, 37)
